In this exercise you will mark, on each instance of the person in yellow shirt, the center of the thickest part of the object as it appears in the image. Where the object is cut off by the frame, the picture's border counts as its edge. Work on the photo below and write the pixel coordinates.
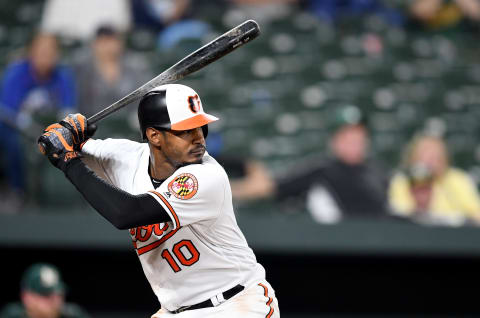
(429, 190)
(443, 15)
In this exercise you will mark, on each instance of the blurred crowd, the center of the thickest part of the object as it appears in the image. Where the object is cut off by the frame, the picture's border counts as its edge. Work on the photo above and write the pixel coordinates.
(42, 83)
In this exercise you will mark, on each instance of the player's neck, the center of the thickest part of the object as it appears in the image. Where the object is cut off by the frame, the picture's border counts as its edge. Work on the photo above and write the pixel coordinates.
(160, 171)
(159, 167)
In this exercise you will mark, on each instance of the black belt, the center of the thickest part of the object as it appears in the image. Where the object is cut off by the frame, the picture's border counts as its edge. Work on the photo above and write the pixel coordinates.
(208, 303)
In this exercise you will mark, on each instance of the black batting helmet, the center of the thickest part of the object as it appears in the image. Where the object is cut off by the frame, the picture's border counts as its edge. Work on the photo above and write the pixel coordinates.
(172, 106)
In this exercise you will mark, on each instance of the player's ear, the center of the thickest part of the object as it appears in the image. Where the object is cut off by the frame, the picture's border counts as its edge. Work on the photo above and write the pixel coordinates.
(154, 136)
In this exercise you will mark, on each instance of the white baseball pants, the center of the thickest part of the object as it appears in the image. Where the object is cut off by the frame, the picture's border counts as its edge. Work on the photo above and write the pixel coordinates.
(256, 301)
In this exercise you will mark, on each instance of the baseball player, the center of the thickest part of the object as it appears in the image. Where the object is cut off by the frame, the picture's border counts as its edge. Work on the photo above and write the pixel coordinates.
(176, 201)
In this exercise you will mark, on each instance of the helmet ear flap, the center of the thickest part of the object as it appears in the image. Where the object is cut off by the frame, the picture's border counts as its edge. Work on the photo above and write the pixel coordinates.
(153, 112)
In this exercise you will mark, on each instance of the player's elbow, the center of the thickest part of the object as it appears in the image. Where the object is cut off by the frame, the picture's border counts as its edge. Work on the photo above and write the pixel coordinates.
(121, 225)
(119, 220)
(122, 219)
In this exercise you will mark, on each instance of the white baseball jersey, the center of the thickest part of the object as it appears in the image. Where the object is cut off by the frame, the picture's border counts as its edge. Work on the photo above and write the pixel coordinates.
(201, 252)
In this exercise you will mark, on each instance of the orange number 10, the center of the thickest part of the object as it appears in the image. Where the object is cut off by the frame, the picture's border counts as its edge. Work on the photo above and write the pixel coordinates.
(179, 251)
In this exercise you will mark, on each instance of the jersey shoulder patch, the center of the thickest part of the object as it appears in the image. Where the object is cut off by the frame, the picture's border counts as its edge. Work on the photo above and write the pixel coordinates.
(183, 186)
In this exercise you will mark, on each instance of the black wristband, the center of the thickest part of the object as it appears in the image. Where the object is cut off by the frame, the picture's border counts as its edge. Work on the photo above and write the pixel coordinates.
(64, 162)
(69, 170)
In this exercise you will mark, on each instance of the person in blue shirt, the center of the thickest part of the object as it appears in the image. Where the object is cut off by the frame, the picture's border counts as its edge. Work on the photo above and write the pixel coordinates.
(331, 11)
(36, 84)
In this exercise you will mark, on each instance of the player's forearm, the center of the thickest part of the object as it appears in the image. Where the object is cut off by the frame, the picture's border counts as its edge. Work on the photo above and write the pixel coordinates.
(120, 208)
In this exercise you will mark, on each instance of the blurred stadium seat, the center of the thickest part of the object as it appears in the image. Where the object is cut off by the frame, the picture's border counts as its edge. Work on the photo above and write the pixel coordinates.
(273, 94)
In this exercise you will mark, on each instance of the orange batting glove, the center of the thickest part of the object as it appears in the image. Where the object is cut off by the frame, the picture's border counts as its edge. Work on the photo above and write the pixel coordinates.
(57, 144)
(80, 129)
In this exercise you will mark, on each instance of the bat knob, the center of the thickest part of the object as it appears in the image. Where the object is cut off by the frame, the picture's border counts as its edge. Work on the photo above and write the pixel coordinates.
(42, 148)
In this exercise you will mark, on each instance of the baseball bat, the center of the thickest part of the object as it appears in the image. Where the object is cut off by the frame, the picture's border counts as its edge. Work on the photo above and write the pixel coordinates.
(200, 58)
(196, 60)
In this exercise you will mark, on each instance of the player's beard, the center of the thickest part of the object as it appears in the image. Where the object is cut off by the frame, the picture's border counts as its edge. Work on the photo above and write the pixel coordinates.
(178, 164)
(190, 163)
(200, 151)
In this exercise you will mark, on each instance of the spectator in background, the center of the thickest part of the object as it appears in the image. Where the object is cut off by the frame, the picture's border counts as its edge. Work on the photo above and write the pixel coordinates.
(75, 20)
(107, 72)
(34, 86)
(441, 14)
(42, 296)
(38, 81)
(249, 178)
(334, 10)
(429, 190)
(348, 184)
(171, 20)
(158, 14)
(263, 11)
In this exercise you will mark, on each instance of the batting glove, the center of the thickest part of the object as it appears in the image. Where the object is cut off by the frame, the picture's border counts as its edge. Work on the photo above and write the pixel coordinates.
(80, 129)
(57, 144)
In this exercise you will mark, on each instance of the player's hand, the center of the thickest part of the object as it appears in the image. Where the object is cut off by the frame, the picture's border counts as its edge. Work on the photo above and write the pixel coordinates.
(80, 129)
(57, 144)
